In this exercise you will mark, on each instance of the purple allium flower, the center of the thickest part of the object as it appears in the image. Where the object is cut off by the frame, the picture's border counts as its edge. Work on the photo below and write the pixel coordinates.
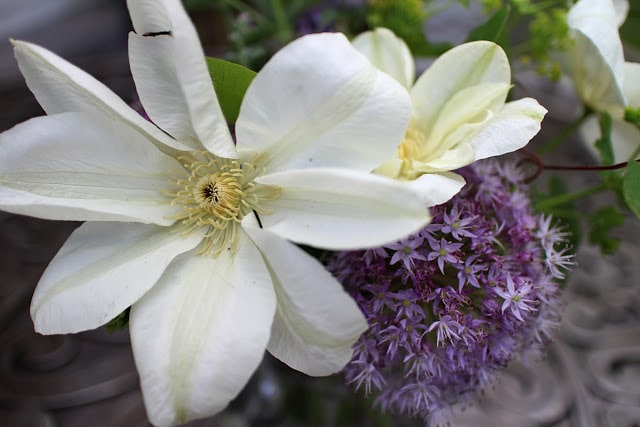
(457, 301)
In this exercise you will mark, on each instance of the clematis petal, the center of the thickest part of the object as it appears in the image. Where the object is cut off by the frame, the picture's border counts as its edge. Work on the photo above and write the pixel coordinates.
(464, 66)
(596, 60)
(342, 209)
(316, 321)
(200, 333)
(168, 67)
(622, 10)
(101, 270)
(437, 188)
(510, 129)
(389, 53)
(460, 155)
(463, 115)
(80, 166)
(312, 106)
(61, 87)
(632, 84)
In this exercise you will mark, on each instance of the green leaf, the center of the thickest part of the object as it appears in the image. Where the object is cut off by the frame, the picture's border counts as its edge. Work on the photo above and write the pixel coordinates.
(493, 28)
(602, 222)
(230, 82)
(631, 187)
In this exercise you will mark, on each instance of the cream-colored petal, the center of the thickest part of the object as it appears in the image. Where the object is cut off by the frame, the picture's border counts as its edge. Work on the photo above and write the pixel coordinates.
(464, 66)
(101, 270)
(437, 188)
(200, 333)
(389, 53)
(461, 117)
(82, 166)
(61, 87)
(510, 129)
(320, 103)
(632, 84)
(596, 60)
(172, 78)
(341, 209)
(316, 321)
(461, 155)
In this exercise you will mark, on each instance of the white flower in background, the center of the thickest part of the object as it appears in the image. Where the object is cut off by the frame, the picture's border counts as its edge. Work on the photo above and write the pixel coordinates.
(459, 114)
(603, 80)
(190, 229)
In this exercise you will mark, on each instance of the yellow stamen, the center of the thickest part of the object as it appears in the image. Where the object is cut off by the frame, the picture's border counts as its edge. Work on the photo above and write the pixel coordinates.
(216, 196)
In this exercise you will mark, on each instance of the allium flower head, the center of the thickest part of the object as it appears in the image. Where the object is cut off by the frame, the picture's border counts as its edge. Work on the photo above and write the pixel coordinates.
(479, 289)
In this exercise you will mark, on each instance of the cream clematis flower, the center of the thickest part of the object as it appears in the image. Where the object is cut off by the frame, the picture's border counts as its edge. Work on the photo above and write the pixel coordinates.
(602, 78)
(459, 114)
(193, 231)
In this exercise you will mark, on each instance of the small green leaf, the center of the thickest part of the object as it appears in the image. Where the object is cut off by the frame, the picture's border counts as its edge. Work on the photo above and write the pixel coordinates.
(230, 82)
(631, 187)
(493, 28)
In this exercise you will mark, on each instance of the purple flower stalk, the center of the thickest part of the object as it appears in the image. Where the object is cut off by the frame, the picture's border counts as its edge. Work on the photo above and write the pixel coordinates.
(456, 302)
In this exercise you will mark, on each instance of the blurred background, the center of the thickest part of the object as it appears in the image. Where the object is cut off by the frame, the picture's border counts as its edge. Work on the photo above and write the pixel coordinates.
(589, 377)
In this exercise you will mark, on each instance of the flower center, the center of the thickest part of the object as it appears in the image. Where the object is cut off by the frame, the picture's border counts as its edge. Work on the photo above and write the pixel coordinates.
(216, 196)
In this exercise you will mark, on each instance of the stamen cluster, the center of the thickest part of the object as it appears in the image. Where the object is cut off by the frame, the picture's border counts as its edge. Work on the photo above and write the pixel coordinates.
(217, 195)
(450, 305)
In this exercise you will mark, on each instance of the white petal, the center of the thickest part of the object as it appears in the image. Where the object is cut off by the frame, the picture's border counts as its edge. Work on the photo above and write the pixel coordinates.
(510, 129)
(318, 102)
(437, 188)
(200, 333)
(463, 66)
(389, 53)
(460, 155)
(101, 270)
(61, 87)
(342, 209)
(622, 10)
(168, 66)
(80, 166)
(596, 59)
(632, 83)
(316, 321)
(462, 116)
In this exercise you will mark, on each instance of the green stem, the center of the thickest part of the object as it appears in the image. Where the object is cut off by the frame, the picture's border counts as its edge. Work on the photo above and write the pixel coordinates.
(562, 136)
(545, 204)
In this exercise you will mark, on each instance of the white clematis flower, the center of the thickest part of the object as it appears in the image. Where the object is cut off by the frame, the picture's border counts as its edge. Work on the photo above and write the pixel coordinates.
(595, 61)
(603, 80)
(191, 230)
(459, 112)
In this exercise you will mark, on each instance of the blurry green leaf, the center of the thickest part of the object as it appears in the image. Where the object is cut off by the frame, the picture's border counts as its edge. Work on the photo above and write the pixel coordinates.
(632, 115)
(631, 187)
(493, 28)
(230, 82)
(603, 145)
(601, 224)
